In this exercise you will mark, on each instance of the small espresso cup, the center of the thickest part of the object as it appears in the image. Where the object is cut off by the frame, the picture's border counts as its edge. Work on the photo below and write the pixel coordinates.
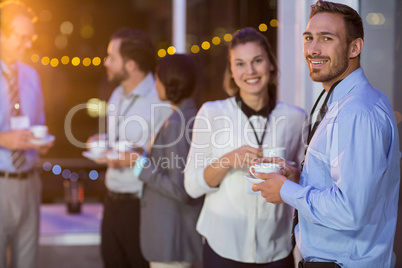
(274, 152)
(39, 131)
(264, 168)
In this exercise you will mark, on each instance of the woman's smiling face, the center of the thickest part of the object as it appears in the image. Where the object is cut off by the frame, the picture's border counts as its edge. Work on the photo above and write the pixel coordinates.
(250, 68)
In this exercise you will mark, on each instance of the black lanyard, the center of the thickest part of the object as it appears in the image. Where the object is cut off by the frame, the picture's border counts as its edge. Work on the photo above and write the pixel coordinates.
(311, 131)
(320, 116)
(255, 132)
(264, 112)
(123, 115)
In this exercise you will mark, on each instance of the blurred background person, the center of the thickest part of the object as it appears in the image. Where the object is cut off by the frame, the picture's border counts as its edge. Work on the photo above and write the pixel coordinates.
(130, 62)
(175, 242)
(226, 140)
(21, 106)
(168, 214)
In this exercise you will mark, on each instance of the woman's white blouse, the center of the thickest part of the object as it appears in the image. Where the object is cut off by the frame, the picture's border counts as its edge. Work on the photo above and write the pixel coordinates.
(238, 223)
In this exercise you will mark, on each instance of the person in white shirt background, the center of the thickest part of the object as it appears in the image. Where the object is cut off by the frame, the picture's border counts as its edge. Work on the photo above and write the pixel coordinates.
(133, 116)
(227, 138)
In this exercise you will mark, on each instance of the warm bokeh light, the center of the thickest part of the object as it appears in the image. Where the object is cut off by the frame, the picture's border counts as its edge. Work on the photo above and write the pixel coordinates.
(96, 61)
(87, 31)
(161, 53)
(263, 27)
(45, 60)
(227, 37)
(171, 50)
(66, 27)
(205, 45)
(75, 61)
(35, 58)
(61, 41)
(86, 62)
(273, 23)
(195, 49)
(65, 60)
(54, 62)
(45, 16)
(216, 40)
(96, 107)
(375, 19)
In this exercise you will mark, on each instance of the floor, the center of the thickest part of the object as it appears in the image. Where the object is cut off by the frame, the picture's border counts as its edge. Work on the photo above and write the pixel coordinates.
(70, 240)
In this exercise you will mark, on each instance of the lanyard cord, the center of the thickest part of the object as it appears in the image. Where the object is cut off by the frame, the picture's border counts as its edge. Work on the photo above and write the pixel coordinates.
(252, 126)
(255, 133)
(120, 116)
(320, 116)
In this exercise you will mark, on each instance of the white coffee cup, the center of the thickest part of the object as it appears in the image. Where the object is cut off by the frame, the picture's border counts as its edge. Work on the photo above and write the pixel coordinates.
(39, 131)
(264, 168)
(274, 152)
(98, 146)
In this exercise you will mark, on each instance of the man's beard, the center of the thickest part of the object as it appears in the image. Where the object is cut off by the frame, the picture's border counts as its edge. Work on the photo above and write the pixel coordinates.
(335, 71)
(119, 77)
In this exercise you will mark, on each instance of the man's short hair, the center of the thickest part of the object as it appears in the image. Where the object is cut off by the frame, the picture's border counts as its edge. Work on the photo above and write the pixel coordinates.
(137, 46)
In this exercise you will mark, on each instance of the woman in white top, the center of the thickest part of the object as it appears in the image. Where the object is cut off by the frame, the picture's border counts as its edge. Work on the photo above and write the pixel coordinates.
(240, 228)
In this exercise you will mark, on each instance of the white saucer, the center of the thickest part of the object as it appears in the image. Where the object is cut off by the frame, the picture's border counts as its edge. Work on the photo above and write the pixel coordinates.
(44, 141)
(253, 179)
(90, 155)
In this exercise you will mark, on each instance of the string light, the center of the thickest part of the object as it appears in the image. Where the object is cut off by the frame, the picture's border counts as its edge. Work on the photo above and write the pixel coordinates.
(195, 49)
(54, 62)
(216, 40)
(87, 31)
(161, 53)
(171, 50)
(75, 61)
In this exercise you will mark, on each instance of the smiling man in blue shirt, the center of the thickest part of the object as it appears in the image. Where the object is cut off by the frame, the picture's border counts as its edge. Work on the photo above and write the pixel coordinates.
(348, 193)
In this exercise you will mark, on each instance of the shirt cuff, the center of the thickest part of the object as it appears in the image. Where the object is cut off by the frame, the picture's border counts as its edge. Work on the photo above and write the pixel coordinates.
(289, 192)
(142, 160)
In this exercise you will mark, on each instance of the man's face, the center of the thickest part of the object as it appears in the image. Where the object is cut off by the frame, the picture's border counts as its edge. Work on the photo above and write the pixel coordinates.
(17, 40)
(325, 48)
(114, 63)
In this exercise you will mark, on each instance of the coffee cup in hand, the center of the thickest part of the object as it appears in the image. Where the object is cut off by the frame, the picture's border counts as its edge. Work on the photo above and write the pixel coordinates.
(98, 147)
(39, 131)
(264, 168)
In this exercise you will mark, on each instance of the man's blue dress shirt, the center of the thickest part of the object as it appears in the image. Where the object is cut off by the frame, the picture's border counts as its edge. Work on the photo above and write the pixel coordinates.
(348, 193)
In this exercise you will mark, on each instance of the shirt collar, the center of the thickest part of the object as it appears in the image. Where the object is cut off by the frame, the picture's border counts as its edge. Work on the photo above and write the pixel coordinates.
(249, 112)
(142, 89)
(5, 68)
(346, 85)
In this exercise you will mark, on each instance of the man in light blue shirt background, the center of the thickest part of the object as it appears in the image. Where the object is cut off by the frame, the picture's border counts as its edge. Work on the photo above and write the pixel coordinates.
(347, 198)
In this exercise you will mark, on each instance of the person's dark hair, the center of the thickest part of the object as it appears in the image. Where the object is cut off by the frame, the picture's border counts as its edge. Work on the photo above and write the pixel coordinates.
(353, 21)
(177, 74)
(138, 46)
(9, 10)
(244, 36)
